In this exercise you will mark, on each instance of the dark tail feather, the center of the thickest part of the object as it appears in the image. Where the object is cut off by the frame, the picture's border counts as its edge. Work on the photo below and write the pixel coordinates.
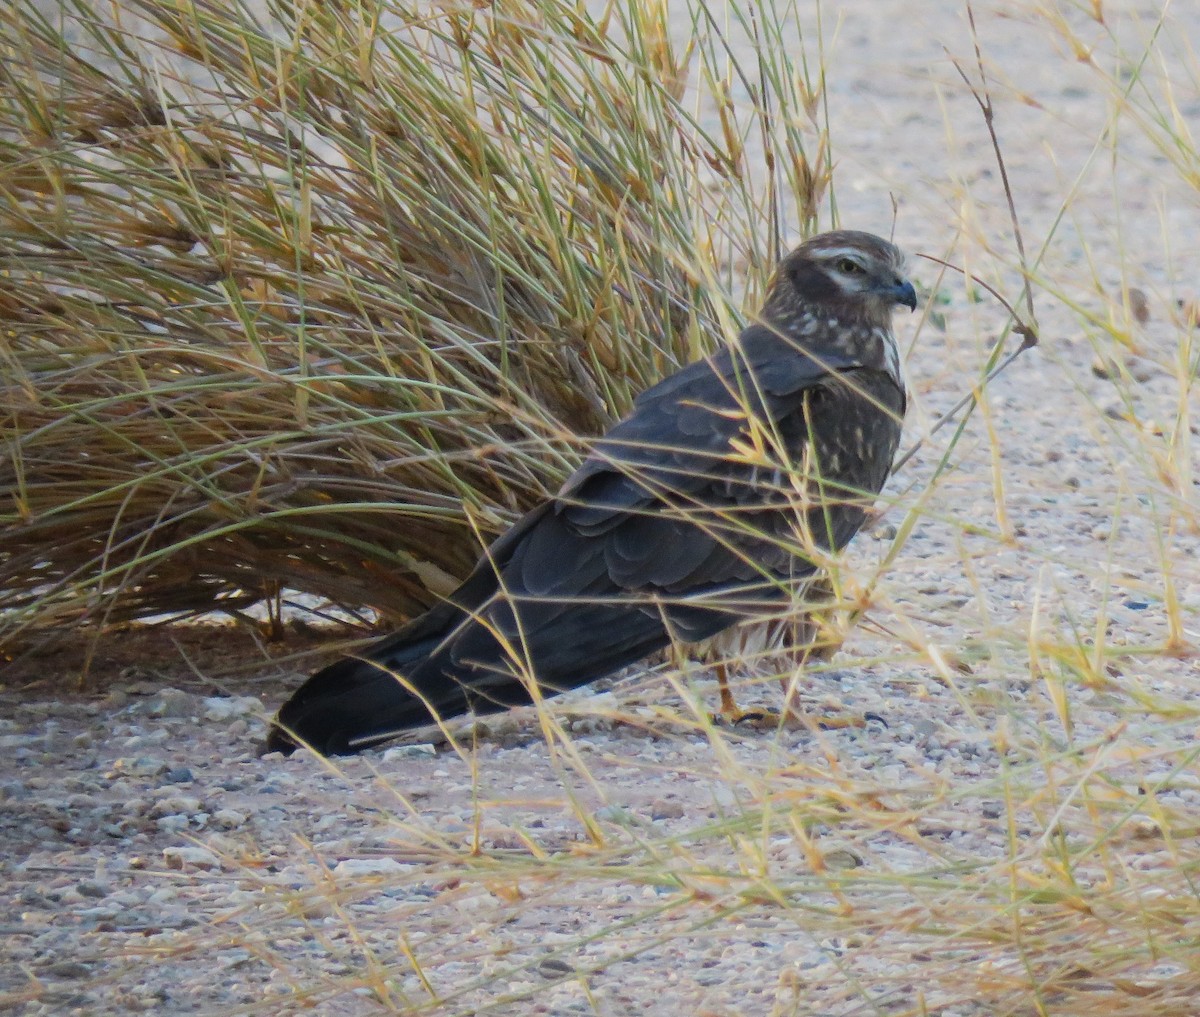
(411, 679)
(348, 706)
(360, 701)
(428, 672)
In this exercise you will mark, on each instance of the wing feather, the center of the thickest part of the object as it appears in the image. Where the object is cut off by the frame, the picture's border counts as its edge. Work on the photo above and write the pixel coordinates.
(664, 493)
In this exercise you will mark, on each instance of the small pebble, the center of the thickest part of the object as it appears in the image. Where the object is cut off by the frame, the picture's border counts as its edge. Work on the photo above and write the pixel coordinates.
(399, 752)
(229, 819)
(663, 808)
(188, 857)
(615, 814)
(171, 703)
(552, 967)
(224, 708)
(68, 969)
(356, 867)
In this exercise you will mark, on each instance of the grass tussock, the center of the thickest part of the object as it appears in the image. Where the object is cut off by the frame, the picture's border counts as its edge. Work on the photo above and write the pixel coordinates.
(315, 296)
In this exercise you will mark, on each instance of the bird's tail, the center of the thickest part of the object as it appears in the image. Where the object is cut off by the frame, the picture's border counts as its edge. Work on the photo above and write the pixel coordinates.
(360, 701)
(446, 664)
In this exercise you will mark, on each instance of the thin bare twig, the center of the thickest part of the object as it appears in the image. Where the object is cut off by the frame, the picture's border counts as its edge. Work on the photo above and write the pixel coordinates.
(1029, 334)
(1026, 329)
(1020, 327)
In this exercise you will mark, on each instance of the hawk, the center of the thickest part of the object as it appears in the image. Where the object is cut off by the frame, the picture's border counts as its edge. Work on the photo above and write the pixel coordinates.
(716, 500)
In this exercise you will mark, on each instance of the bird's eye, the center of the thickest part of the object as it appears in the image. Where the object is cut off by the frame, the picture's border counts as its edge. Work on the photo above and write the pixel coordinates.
(849, 267)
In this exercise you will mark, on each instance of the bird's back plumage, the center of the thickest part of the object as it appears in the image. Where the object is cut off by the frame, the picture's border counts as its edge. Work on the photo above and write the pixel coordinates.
(702, 507)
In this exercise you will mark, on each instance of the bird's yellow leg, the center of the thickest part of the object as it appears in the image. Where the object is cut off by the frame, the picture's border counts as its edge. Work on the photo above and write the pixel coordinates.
(731, 714)
(729, 709)
(791, 716)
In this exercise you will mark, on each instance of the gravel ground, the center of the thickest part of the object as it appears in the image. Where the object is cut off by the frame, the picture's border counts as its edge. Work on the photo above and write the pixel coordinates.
(153, 862)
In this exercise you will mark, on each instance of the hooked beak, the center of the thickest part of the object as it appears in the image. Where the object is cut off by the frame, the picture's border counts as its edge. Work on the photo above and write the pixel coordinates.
(903, 293)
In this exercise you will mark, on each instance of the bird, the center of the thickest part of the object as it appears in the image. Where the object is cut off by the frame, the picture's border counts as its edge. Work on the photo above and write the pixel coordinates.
(716, 501)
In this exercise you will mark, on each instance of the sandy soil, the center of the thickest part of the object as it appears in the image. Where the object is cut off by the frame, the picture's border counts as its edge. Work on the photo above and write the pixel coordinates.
(152, 862)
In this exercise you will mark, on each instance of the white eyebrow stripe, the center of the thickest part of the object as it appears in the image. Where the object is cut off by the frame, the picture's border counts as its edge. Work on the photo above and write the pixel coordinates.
(856, 253)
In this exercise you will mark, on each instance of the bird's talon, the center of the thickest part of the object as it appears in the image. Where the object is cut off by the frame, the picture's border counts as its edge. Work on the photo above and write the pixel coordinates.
(841, 721)
(763, 719)
(770, 720)
(756, 717)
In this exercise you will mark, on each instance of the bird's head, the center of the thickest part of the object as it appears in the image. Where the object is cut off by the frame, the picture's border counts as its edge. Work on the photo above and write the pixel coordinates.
(845, 274)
